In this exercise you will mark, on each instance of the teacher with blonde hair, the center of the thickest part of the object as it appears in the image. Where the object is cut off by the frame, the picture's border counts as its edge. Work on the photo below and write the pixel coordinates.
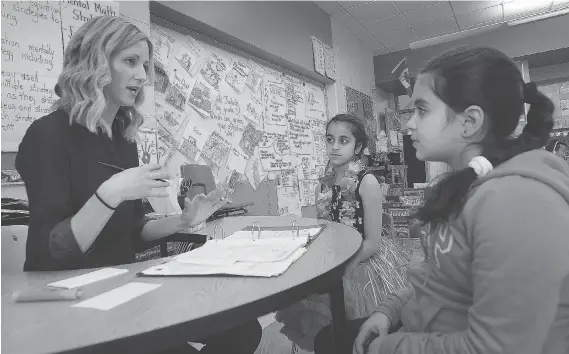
(84, 214)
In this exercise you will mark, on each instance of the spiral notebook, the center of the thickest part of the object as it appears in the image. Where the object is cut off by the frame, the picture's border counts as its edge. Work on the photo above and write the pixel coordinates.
(251, 251)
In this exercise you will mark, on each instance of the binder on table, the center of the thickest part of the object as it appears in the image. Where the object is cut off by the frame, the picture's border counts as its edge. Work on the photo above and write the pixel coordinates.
(251, 251)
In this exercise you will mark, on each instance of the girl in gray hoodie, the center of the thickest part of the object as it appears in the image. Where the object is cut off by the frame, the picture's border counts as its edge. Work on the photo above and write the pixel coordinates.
(495, 279)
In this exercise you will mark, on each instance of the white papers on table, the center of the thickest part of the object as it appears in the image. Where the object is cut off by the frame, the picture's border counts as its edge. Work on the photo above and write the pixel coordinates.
(263, 252)
(241, 250)
(247, 246)
(88, 278)
(251, 269)
(118, 296)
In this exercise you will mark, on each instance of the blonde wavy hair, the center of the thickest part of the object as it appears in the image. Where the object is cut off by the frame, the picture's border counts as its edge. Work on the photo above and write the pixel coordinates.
(86, 72)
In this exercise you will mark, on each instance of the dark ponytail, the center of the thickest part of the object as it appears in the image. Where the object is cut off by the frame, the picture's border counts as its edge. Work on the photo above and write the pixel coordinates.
(489, 79)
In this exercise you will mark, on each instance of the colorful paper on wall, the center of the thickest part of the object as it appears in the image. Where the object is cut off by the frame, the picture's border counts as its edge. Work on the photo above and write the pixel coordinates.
(288, 201)
(319, 56)
(307, 192)
(330, 62)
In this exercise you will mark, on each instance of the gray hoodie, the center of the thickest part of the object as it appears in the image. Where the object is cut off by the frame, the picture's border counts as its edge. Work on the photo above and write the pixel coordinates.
(496, 278)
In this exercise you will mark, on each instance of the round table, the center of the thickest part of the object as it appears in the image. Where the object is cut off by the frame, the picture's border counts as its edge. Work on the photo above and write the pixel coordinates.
(183, 308)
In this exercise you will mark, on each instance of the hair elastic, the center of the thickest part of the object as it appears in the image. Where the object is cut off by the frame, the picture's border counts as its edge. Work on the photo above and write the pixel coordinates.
(481, 166)
(103, 202)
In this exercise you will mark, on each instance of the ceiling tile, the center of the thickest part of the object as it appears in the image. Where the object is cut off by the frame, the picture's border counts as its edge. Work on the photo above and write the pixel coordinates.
(404, 36)
(429, 14)
(380, 51)
(350, 4)
(475, 18)
(558, 4)
(438, 28)
(386, 25)
(344, 19)
(371, 42)
(413, 5)
(373, 11)
(359, 31)
(518, 8)
(462, 7)
(330, 7)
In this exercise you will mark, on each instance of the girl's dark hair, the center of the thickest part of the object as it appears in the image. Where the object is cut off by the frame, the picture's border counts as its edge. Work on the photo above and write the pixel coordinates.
(553, 145)
(487, 78)
(357, 126)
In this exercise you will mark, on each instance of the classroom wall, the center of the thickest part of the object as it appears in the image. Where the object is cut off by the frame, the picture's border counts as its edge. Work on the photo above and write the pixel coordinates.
(354, 68)
(550, 72)
(282, 28)
(515, 41)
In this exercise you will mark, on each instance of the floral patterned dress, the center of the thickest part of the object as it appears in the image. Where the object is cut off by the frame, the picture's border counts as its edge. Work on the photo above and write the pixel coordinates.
(366, 285)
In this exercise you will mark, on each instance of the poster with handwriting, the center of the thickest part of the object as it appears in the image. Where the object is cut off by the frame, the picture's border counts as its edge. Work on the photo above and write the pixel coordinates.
(288, 201)
(315, 103)
(163, 46)
(276, 108)
(214, 69)
(165, 145)
(307, 168)
(227, 112)
(169, 117)
(75, 13)
(238, 75)
(237, 160)
(216, 150)
(31, 62)
(301, 137)
(307, 192)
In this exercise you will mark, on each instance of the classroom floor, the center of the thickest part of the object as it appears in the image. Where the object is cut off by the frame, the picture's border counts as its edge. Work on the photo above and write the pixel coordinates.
(273, 341)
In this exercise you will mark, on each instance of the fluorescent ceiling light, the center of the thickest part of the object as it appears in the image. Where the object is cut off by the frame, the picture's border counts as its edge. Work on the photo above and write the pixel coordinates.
(454, 36)
(543, 16)
(477, 31)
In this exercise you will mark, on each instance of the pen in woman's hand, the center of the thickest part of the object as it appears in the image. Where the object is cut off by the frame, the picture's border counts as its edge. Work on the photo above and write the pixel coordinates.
(120, 169)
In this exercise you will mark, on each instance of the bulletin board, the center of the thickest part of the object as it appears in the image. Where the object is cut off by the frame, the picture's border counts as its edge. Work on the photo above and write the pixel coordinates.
(252, 122)
(34, 36)
(361, 105)
(558, 92)
(246, 119)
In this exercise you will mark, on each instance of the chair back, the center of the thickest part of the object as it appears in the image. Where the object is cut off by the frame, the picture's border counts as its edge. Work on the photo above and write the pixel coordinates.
(387, 224)
(14, 248)
(196, 179)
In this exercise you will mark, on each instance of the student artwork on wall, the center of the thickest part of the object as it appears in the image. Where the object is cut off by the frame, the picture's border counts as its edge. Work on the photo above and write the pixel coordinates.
(361, 105)
(207, 105)
(242, 118)
(558, 92)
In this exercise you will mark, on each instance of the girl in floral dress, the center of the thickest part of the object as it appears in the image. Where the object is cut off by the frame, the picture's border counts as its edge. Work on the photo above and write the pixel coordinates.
(350, 195)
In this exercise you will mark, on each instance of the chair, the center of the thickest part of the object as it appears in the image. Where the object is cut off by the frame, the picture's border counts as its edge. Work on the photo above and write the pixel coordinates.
(387, 224)
(199, 179)
(183, 243)
(14, 248)
(196, 179)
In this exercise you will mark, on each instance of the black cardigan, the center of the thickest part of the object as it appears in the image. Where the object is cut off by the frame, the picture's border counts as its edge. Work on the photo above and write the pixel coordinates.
(58, 162)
